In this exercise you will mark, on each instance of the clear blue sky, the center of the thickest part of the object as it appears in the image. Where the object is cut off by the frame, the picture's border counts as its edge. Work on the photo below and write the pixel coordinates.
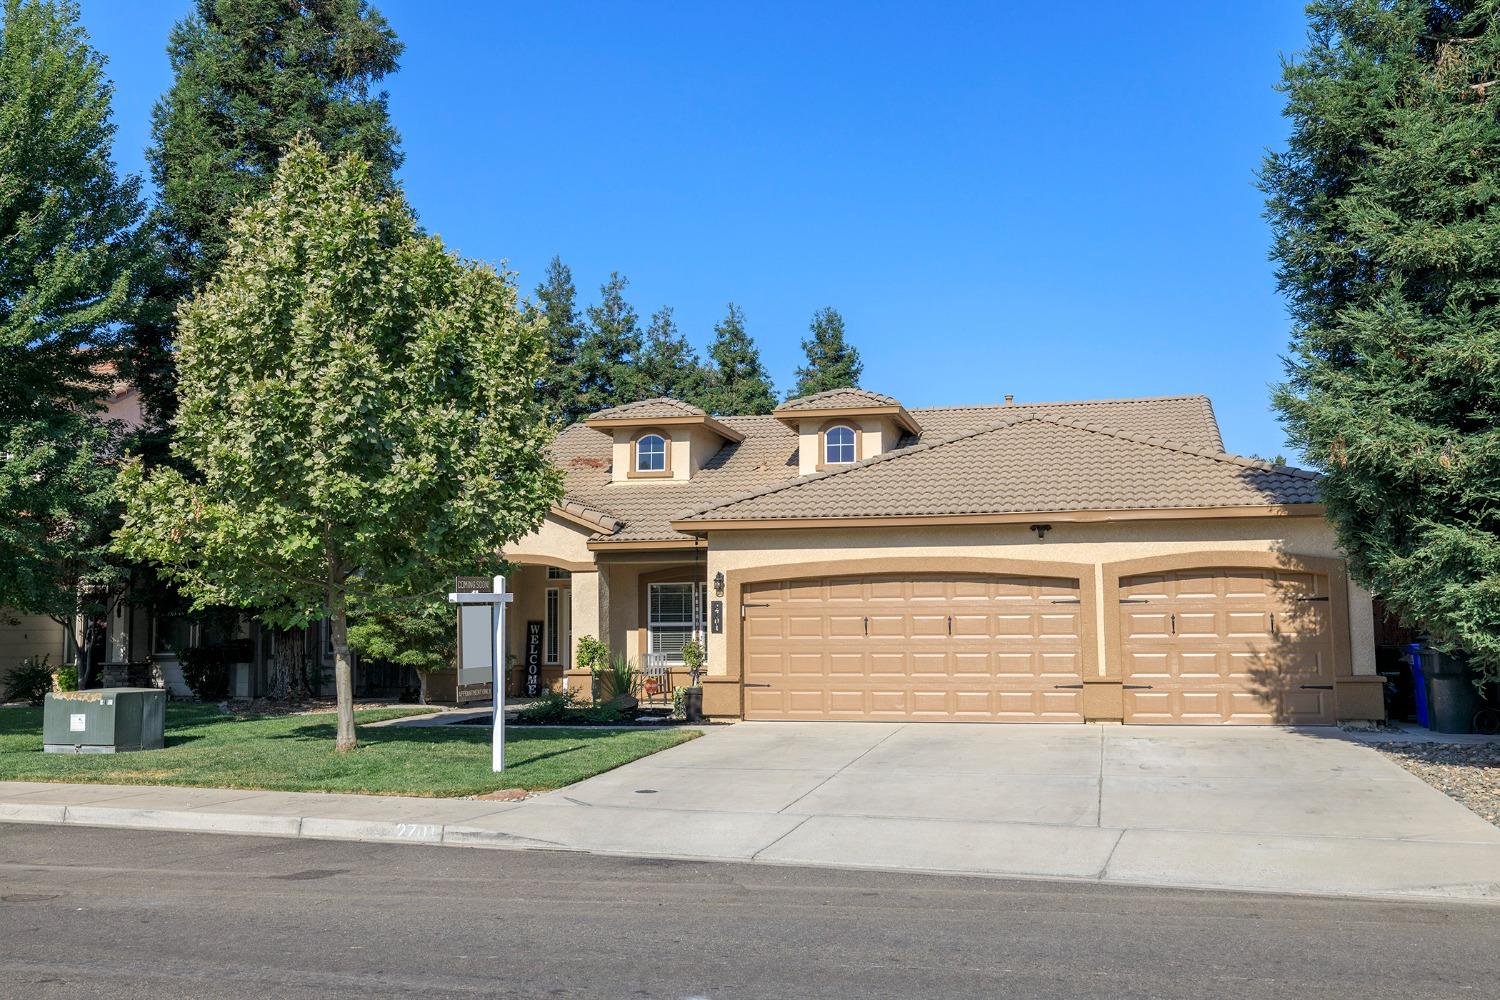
(1056, 202)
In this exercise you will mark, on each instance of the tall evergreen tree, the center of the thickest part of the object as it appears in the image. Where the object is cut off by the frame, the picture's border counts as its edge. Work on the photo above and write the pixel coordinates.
(832, 362)
(668, 365)
(249, 77)
(604, 373)
(557, 300)
(1386, 211)
(738, 382)
(69, 272)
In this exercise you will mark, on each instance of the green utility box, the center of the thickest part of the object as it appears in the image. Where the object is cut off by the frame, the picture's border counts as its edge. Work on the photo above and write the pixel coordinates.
(106, 720)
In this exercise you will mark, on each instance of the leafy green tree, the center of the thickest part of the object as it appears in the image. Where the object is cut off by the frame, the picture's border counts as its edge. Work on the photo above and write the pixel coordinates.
(412, 632)
(604, 369)
(357, 414)
(667, 364)
(557, 301)
(738, 382)
(832, 362)
(248, 77)
(72, 250)
(1386, 211)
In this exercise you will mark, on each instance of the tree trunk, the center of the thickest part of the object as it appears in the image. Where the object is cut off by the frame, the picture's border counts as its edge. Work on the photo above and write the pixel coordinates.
(343, 670)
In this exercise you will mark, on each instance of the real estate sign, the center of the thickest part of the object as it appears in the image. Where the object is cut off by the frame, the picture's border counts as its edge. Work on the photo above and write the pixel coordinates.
(476, 640)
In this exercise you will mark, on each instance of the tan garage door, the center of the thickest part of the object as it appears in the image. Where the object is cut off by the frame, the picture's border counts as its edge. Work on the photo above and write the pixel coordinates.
(1237, 646)
(931, 647)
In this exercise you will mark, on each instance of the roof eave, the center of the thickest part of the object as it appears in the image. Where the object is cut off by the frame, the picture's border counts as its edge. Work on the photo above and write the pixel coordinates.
(704, 525)
(686, 420)
(898, 413)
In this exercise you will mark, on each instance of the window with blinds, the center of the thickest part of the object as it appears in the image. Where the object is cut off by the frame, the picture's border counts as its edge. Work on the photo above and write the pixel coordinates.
(675, 614)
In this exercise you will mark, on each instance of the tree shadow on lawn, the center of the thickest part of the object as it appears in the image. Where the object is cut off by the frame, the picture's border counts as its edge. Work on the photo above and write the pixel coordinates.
(545, 741)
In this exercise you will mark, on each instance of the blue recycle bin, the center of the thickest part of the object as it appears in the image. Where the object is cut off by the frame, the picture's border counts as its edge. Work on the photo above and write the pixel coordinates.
(1415, 653)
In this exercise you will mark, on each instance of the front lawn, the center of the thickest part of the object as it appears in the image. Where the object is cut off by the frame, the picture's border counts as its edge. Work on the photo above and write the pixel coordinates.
(294, 753)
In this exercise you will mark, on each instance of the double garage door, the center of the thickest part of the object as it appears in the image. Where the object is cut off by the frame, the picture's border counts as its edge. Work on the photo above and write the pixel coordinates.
(1207, 646)
(945, 648)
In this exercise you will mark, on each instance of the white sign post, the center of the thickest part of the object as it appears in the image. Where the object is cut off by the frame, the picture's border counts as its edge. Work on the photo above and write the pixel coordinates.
(481, 645)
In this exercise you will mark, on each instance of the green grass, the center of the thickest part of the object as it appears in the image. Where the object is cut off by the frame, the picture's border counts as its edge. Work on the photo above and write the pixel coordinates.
(295, 753)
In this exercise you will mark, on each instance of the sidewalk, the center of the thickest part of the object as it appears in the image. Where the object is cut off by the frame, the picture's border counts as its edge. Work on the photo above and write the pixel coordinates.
(1285, 812)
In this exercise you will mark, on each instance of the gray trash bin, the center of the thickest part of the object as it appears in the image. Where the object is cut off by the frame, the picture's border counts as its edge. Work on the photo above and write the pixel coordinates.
(1452, 698)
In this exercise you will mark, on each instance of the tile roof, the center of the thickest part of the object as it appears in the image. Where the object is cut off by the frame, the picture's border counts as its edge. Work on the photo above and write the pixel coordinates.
(839, 399)
(767, 457)
(648, 409)
(1034, 462)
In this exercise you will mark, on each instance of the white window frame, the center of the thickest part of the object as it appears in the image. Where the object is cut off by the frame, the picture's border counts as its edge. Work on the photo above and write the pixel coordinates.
(641, 453)
(851, 445)
(557, 573)
(698, 624)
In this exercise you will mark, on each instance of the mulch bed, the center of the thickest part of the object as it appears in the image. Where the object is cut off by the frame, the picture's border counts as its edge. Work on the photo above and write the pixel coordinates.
(1469, 773)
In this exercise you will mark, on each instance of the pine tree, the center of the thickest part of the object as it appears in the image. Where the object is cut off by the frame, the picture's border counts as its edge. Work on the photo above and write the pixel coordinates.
(667, 365)
(738, 382)
(69, 274)
(249, 77)
(557, 300)
(1387, 239)
(605, 376)
(832, 362)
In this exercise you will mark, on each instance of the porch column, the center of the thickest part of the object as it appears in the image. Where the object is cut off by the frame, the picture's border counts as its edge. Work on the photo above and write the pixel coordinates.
(590, 607)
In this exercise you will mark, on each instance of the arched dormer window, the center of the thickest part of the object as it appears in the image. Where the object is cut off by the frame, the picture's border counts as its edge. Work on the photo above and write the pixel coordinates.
(651, 453)
(838, 445)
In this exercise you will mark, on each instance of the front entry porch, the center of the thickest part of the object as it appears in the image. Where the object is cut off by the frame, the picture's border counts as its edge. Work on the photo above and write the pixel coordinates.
(645, 606)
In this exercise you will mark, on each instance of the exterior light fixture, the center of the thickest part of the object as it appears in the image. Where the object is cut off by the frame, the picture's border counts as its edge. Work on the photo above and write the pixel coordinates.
(1041, 529)
(719, 584)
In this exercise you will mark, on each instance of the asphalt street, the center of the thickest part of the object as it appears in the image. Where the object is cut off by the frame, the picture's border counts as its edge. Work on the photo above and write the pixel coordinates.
(113, 913)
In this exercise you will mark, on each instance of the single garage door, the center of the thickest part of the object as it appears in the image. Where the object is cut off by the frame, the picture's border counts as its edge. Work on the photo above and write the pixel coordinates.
(929, 647)
(1236, 646)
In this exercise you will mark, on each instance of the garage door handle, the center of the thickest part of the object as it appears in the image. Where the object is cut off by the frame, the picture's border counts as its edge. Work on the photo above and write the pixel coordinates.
(1317, 687)
(1079, 686)
(757, 685)
(1066, 600)
(1135, 687)
(1134, 600)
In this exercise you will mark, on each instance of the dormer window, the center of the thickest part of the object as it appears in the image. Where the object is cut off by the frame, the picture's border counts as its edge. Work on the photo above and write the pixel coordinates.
(838, 445)
(651, 453)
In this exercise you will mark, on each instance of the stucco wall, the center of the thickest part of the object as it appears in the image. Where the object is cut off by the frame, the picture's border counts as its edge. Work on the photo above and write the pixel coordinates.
(29, 635)
(1091, 543)
(557, 542)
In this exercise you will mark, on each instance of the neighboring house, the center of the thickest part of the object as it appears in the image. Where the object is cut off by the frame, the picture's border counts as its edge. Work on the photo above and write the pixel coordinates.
(22, 635)
(848, 559)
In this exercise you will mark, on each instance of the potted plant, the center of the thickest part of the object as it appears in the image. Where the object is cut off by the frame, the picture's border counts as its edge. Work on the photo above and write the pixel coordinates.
(692, 701)
(593, 656)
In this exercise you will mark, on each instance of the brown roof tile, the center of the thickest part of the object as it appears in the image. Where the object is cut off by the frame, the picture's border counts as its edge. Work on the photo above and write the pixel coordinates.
(1032, 462)
(839, 399)
(767, 457)
(648, 409)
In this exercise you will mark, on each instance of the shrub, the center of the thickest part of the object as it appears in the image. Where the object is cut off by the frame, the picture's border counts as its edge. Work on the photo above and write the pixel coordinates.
(67, 677)
(550, 706)
(205, 670)
(692, 658)
(617, 678)
(593, 655)
(30, 681)
(679, 702)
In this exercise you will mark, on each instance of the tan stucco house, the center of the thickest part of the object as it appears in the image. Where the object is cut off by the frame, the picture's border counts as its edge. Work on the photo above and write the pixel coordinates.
(846, 558)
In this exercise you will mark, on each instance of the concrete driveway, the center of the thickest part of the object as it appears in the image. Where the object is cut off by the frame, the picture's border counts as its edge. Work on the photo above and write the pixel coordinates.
(1266, 809)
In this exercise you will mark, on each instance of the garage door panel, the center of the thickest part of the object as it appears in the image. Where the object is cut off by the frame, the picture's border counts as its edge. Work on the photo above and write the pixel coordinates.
(1225, 646)
(924, 647)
